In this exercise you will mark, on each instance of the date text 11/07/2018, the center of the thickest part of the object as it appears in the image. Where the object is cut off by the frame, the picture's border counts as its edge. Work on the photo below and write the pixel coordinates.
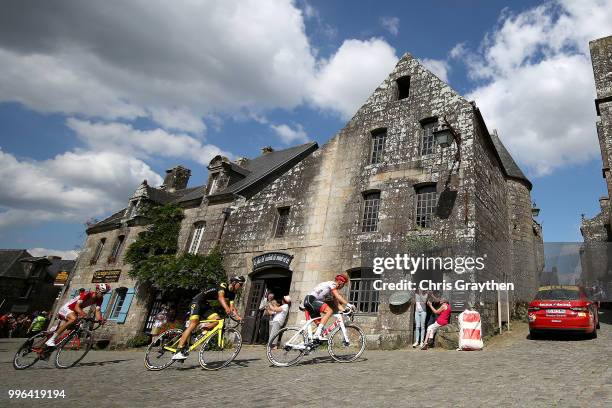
(404, 284)
(36, 394)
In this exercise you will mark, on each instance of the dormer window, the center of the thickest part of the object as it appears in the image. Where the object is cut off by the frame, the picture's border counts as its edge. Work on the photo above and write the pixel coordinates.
(132, 210)
(403, 87)
(214, 182)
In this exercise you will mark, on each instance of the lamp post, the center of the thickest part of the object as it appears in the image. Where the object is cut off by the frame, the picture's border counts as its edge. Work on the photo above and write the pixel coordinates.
(444, 135)
(535, 211)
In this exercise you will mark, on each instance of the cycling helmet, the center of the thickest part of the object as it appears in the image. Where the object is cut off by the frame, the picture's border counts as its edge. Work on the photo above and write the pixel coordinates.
(342, 278)
(103, 287)
(239, 279)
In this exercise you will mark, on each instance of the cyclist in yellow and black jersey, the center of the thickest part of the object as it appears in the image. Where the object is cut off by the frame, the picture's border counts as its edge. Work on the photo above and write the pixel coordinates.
(200, 309)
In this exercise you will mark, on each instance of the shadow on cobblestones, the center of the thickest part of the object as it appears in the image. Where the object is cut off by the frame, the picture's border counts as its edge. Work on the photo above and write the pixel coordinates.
(103, 363)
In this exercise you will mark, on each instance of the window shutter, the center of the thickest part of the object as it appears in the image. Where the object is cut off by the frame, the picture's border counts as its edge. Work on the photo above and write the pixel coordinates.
(107, 297)
(126, 306)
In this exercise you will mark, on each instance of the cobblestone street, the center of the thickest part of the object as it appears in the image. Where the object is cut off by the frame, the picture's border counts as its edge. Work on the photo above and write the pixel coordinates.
(512, 371)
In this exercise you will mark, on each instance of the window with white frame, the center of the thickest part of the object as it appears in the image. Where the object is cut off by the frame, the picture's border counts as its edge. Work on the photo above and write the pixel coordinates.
(98, 251)
(196, 238)
(116, 249)
(120, 295)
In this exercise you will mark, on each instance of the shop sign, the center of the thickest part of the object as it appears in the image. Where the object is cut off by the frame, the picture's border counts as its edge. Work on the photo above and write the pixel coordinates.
(272, 259)
(106, 276)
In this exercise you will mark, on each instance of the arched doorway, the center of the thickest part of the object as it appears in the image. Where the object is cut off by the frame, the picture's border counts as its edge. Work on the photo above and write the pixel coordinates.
(267, 277)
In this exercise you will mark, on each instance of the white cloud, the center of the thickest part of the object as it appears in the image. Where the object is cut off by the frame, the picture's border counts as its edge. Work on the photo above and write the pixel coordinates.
(64, 254)
(538, 83)
(346, 80)
(179, 65)
(391, 24)
(289, 135)
(123, 138)
(70, 187)
(440, 68)
(202, 57)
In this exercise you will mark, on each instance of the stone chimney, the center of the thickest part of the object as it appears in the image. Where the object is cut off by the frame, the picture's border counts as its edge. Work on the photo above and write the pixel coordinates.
(266, 149)
(604, 203)
(176, 178)
(242, 161)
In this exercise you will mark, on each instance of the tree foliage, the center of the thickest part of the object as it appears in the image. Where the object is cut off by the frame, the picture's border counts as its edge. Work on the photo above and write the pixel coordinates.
(154, 258)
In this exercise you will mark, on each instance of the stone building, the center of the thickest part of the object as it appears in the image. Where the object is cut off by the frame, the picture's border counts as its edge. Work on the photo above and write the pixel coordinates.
(27, 283)
(596, 254)
(292, 218)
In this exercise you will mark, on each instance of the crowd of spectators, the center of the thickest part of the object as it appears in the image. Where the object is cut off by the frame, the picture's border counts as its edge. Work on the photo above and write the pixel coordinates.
(22, 325)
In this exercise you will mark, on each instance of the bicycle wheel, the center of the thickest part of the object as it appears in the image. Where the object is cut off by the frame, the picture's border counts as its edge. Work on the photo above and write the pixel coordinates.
(291, 346)
(73, 348)
(213, 356)
(157, 357)
(26, 356)
(345, 351)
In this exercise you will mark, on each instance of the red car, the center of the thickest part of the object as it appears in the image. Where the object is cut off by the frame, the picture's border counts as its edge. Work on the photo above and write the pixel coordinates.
(563, 308)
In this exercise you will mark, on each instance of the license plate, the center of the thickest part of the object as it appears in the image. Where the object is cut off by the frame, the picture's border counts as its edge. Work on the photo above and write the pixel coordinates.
(555, 311)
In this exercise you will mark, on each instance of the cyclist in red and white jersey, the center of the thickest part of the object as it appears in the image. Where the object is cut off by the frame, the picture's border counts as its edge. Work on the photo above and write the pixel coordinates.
(73, 309)
(324, 292)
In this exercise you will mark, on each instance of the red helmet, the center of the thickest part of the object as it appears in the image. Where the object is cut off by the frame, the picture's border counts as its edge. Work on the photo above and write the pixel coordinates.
(342, 278)
(103, 287)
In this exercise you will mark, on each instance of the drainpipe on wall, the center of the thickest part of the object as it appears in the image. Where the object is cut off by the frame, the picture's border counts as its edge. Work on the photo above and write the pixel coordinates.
(226, 213)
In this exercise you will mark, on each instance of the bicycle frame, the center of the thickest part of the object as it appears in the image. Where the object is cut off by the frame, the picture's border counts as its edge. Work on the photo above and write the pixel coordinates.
(307, 327)
(217, 329)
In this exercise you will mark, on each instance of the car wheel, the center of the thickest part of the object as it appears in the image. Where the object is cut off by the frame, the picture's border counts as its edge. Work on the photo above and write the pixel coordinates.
(593, 334)
(533, 335)
(597, 327)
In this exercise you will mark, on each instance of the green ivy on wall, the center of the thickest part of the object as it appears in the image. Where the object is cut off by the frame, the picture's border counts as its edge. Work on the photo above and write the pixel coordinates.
(154, 258)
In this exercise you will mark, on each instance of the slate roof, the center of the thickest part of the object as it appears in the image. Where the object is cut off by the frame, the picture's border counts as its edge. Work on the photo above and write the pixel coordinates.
(111, 220)
(512, 169)
(264, 165)
(59, 265)
(8, 257)
(253, 171)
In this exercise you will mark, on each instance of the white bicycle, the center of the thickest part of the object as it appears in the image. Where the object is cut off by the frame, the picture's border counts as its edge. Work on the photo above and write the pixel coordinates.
(345, 340)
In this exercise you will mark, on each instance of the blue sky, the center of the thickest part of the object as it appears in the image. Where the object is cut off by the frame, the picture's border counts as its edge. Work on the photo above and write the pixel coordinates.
(94, 98)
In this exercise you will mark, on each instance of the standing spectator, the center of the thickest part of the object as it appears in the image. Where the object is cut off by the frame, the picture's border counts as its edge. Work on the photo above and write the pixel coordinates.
(38, 324)
(22, 326)
(280, 317)
(3, 325)
(11, 325)
(160, 320)
(443, 313)
(420, 316)
(267, 313)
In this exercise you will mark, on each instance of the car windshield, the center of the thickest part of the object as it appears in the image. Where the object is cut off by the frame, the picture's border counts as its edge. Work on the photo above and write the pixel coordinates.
(558, 294)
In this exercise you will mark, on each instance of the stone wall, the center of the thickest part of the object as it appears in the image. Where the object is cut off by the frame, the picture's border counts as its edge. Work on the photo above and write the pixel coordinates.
(117, 333)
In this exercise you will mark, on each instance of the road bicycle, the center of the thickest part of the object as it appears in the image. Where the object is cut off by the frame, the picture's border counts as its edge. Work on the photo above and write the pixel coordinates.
(220, 346)
(345, 340)
(72, 346)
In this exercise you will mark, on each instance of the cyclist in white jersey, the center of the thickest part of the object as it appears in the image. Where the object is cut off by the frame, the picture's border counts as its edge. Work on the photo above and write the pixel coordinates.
(324, 292)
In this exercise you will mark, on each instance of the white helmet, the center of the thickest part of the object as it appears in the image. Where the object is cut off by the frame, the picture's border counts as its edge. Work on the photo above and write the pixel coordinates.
(103, 287)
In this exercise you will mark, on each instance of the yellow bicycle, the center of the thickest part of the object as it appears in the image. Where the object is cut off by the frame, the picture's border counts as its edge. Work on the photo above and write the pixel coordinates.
(220, 346)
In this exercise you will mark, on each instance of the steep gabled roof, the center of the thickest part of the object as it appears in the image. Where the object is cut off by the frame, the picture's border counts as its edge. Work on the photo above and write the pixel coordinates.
(266, 164)
(512, 169)
(8, 257)
(112, 220)
(508, 165)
